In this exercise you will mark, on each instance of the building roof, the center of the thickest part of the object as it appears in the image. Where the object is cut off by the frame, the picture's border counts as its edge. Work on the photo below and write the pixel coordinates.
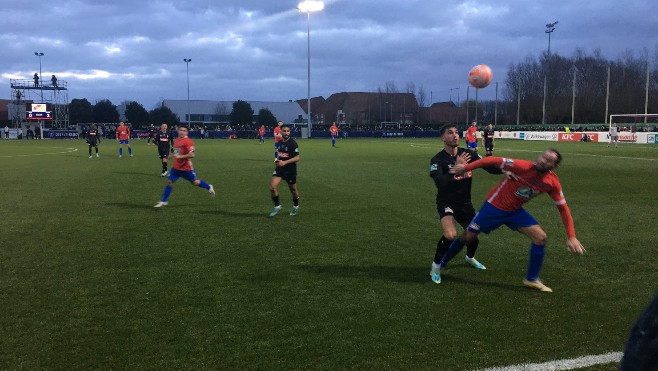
(284, 111)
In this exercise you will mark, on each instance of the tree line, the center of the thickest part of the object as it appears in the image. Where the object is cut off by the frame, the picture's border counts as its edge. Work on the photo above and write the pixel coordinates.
(81, 111)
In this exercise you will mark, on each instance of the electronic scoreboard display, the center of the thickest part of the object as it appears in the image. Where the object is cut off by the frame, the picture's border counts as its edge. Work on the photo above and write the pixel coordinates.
(38, 111)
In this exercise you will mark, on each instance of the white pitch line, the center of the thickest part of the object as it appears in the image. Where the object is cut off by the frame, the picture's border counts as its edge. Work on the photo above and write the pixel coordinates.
(69, 150)
(564, 364)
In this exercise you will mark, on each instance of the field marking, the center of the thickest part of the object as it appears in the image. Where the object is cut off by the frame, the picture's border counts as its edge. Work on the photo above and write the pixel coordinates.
(583, 154)
(564, 364)
(68, 150)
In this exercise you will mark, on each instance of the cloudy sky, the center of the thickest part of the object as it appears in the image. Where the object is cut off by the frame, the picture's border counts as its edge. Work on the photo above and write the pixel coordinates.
(256, 49)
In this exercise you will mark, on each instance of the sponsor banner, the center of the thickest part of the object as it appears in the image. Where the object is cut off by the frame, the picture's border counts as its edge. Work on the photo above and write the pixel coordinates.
(509, 135)
(577, 137)
(542, 135)
(61, 134)
(652, 138)
(627, 137)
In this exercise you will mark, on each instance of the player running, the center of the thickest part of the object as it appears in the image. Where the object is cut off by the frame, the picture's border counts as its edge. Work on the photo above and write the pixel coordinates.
(261, 134)
(286, 169)
(471, 136)
(277, 138)
(182, 168)
(453, 197)
(504, 205)
(164, 140)
(151, 139)
(489, 140)
(614, 135)
(93, 139)
(334, 134)
(123, 136)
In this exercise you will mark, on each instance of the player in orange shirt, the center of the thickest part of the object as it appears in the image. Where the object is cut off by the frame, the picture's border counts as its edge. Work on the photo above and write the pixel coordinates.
(505, 202)
(277, 138)
(471, 136)
(123, 136)
(261, 134)
(182, 168)
(334, 134)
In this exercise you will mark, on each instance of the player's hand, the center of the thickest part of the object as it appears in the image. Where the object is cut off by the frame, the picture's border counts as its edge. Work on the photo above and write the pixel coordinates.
(510, 175)
(464, 158)
(575, 246)
(280, 163)
(458, 169)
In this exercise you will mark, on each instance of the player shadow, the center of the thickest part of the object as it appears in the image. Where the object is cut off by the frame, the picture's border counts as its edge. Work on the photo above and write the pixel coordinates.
(233, 214)
(150, 175)
(128, 205)
(396, 274)
(414, 275)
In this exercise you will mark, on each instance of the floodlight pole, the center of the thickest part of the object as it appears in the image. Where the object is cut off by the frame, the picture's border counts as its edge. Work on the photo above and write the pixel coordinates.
(40, 54)
(308, 71)
(549, 30)
(187, 66)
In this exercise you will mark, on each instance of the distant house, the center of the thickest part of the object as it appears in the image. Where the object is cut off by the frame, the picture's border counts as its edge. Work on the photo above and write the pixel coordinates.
(443, 112)
(211, 112)
(364, 108)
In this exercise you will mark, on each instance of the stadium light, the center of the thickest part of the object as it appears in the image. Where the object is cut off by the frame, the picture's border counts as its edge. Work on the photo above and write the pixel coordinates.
(187, 67)
(550, 27)
(40, 54)
(309, 6)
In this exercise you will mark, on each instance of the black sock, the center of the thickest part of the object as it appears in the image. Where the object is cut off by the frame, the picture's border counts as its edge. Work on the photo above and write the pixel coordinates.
(89, 150)
(164, 167)
(441, 248)
(275, 199)
(472, 247)
(96, 150)
(295, 201)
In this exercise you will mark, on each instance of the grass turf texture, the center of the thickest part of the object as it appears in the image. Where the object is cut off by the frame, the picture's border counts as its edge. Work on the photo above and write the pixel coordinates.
(91, 276)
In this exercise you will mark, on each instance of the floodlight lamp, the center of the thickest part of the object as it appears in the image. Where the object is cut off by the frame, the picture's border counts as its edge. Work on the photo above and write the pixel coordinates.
(308, 6)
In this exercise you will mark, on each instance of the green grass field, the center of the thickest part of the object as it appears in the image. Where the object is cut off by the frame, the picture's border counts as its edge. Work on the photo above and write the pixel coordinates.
(92, 277)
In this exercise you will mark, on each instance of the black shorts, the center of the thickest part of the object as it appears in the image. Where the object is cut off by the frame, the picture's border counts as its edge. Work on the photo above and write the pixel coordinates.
(289, 176)
(463, 214)
(488, 146)
(163, 152)
(93, 144)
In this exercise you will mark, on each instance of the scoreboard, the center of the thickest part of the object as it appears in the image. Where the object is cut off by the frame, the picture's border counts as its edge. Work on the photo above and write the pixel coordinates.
(38, 111)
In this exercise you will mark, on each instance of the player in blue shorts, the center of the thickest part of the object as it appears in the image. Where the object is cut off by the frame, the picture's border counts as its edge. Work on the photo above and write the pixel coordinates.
(123, 136)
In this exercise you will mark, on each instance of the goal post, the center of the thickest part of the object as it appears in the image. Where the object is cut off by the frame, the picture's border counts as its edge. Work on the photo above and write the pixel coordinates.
(620, 118)
(629, 124)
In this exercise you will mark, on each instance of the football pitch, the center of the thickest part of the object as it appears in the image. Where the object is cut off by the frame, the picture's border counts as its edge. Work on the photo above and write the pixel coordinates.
(93, 277)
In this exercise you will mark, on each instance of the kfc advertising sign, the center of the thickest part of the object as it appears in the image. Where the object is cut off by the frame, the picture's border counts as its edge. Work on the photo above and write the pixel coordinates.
(577, 137)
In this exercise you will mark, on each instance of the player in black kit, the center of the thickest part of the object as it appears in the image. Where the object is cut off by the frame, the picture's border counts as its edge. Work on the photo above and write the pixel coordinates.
(286, 169)
(489, 140)
(453, 198)
(151, 139)
(165, 141)
(93, 138)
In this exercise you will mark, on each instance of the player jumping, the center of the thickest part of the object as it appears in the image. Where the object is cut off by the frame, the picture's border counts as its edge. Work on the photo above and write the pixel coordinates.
(286, 169)
(123, 136)
(93, 139)
(334, 134)
(165, 140)
(182, 168)
(505, 202)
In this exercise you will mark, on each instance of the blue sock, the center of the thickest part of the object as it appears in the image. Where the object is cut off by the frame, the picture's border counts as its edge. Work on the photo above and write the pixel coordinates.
(535, 262)
(167, 192)
(333, 142)
(130, 151)
(120, 151)
(455, 247)
(205, 185)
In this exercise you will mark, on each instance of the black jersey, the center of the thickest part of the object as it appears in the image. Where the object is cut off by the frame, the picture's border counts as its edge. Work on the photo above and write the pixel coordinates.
(93, 137)
(453, 189)
(164, 140)
(488, 135)
(288, 149)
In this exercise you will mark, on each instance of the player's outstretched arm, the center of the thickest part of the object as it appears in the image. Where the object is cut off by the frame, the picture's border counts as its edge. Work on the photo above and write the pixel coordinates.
(575, 246)
(572, 242)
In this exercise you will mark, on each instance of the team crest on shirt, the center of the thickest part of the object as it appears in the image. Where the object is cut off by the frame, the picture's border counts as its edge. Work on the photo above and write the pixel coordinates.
(525, 193)
(434, 167)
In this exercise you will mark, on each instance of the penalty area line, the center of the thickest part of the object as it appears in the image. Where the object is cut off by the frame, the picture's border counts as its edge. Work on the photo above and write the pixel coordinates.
(564, 364)
(68, 150)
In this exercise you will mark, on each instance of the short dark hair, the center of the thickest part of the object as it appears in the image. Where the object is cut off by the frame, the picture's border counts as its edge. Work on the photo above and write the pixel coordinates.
(445, 127)
(285, 126)
(558, 154)
(183, 126)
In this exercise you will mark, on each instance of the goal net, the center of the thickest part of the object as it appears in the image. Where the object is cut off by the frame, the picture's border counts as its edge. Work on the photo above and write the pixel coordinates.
(630, 123)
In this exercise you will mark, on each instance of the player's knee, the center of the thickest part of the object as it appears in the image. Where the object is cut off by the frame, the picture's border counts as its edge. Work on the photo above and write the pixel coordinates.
(469, 237)
(450, 235)
(196, 182)
(540, 238)
(169, 183)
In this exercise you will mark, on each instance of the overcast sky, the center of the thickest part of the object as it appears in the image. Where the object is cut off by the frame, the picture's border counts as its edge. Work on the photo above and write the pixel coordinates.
(256, 49)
